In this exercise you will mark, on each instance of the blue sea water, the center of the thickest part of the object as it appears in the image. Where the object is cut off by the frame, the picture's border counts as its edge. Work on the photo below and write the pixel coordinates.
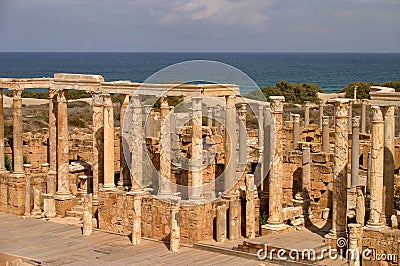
(330, 71)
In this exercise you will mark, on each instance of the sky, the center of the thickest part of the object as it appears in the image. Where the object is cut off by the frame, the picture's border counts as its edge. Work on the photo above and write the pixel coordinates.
(200, 26)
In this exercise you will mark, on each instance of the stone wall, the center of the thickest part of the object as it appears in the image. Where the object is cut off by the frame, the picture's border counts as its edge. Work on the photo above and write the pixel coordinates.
(382, 241)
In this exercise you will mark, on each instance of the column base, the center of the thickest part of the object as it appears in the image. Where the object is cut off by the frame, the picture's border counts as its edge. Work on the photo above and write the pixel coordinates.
(18, 174)
(63, 196)
(197, 200)
(375, 225)
(274, 227)
(108, 189)
(49, 206)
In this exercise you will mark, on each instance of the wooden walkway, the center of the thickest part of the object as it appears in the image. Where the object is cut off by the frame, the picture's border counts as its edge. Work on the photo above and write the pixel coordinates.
(59, 244)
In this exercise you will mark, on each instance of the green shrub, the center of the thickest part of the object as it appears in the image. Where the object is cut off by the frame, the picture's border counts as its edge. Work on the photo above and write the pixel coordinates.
(7, 162)
(363, 88)
(76, 122)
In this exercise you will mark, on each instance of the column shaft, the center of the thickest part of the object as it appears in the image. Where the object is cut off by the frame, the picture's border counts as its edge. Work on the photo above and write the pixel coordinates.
(376, 182)
(124, 178)
(321, 115)
(296, 131)
(242, 112)
(87, 214)
(52, 174)
(260, 125)
(306, 114)
(137, 140)
(355, 152)
(364, 103)
(98, 144)
(64, 187)
(325, 134)
(18, 160)
(137, 220)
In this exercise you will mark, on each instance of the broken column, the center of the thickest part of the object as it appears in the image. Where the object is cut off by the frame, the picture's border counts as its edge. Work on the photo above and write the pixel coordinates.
(364, 103)
(321, 115)
(2, 162)
(87, 214)
(242, 112)
(124, 178)
(174, 243)
(49, 206)
(221, 231)
(137, 140)
(376, 180)
(230, 143)
(339, 198)
(64, 187)
(197, 150)
(250, 206)
(296, 131)
(306, 179)
(165, 151)
(306, 114)
(275, 219)
(355, 244)
(137, 220)
(98, 144)
(27, 170)
(108, 119)
(360, 205)
(18, 160)
(325, 134)
(388, 174)
(355, 151)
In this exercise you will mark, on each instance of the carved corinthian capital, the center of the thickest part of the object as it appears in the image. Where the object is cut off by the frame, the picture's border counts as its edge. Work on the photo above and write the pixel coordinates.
(277, 103)
(376, 113)
(342, 107)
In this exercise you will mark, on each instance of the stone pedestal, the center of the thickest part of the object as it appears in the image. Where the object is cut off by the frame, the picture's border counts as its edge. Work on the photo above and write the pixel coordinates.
(355, 152)
(339, 198)
(296, 131)
(376, 182)
(87, 214)
(275, 219)
(234, 218)
(221, 222)
(109, 172)
(325, 134)
(388, 174)
(174, 243)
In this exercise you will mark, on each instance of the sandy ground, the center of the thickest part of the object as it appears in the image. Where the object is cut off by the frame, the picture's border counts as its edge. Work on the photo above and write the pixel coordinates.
(30, 101)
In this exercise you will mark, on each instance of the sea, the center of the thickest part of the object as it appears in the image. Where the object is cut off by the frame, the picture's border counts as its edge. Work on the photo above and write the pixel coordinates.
(330, 71)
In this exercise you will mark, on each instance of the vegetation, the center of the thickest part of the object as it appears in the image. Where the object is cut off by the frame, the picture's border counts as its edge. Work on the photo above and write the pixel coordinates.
(263, 218)
(7, 162)
(76, 121)
(294, 93)
(363, 88)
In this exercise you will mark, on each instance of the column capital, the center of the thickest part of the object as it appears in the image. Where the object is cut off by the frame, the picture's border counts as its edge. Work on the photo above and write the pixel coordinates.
(389, 111)
(325, 120)
(17, 93)
(61, 98)
(307, 104)
(196, 103)
(135, 101)
(376, 114)
(341, 107)
(230, 101)
(356, 122)
(147, 108)
(97, 99)
(52, 93)
(107, 102)
(27, 168)
(277, 103)
(296, 118)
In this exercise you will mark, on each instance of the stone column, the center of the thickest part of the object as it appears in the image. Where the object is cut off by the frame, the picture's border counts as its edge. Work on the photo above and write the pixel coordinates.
(87, 214)
(209, 116)
(306, 170)
(267, 149)
(250, 207)
(148, 127)
(369, 163)
(27, 170)
(377, 154)
(339, 198)
(275, 219)
(137, 220)
(124, 178)
(360, 205)
(52, 173)
(137, 140)
(109, 171)
(260, 125)
(355, 152)
(230, 143)
(350, 118)
(197, 150)
(355, 244)
(242, 112)
(296, 131)
(388, 174)
(364, 103)
(325, 134)
(306, 114)
(2, 162)
(234, 218)
(18, 160)
(98, 144)
(221, 222)
(165, 151)
(64, 186)
(321, 115)
(174, 243)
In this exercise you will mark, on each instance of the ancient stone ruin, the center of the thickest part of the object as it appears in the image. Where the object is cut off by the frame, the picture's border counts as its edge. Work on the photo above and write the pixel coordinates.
(197, 172)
